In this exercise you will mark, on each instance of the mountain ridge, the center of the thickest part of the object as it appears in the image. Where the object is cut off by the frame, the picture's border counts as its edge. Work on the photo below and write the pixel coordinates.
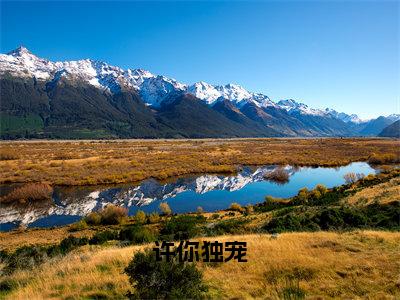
(132, 102)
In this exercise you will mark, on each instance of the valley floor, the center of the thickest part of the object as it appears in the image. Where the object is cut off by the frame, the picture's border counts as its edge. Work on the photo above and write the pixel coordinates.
(127, 161)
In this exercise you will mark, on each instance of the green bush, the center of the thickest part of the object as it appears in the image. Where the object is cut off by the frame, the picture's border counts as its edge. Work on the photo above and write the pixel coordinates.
(376, 216)
(152, 279)
(27, 257)
(137, 235)
(70, 243)
(230, 226)
(182, 227)
(103, 236)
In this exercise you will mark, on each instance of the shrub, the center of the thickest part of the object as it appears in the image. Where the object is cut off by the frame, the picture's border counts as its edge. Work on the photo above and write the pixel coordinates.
(165, 209)
(70, 243)
(302, 196)
(236, 207)
(249, 209)
(154, 279)
(321, 189)
(199, 210)
(93, 218)
(103, 236)
(80, 225)
(383, 158)
(182, 227)
(136, 235)
(214, 216)
(7, 285)
(231, 226)
(8, 154)
(112, 215)
(29, 192)
(140, 217)
(279, 175)
(154, 218)
(25, 257)
(351, 178)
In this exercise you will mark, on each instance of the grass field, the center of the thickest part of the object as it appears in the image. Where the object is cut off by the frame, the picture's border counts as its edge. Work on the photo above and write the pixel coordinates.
(120, 161)
(363, 264)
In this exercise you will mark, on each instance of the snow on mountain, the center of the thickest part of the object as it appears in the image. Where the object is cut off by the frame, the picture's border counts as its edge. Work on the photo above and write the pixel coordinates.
(353, 118)
(152, 88)
(393, 117)
(204, 91)
(233, 92)
(291, 106)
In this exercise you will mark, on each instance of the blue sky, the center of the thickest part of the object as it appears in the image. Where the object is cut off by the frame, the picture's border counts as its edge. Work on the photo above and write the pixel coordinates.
(343, 55)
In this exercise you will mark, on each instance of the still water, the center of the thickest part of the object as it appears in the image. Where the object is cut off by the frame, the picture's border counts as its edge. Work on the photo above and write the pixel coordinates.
(211, 192)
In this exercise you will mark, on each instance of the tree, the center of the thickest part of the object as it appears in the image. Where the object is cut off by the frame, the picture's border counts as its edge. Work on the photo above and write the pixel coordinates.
(163, 279)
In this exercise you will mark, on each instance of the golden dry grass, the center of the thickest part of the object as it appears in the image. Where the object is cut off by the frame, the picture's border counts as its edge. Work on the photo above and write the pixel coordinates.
(102, 162)
(383, 193)
(364, 264)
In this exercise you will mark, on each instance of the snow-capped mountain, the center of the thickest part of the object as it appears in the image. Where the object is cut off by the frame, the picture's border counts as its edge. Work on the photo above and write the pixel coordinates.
(129, 103)
(154, 89)
(353, 118)
(291, 106)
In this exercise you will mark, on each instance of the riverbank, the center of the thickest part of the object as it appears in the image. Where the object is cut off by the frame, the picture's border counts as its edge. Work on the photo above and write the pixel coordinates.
(112, 162)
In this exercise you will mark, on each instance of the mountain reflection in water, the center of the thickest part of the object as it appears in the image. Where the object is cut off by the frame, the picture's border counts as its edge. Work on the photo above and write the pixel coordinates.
(211, 192)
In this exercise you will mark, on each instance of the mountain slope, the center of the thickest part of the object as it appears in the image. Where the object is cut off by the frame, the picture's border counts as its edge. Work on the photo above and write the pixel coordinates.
(393, 130)
(88, 98)
(193, 118)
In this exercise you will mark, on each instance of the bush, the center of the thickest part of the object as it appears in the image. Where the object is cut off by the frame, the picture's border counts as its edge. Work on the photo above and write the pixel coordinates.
(182, 227)
(112, 215)
(377, 216)
(140, 217)
(80, 225)
(231, 226)
(351, 178)
(29, 192)
(8, 154)
(137, 235)
(199, 210)
(93, 218)
(165, 209)
(70, 243)
(154, 218)
(383, 159)
(302, 196)
(7, 285)
(322, 189)
(152, 279)
(103, 236)
(236, 207)
(279, 175)
(27, 257)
